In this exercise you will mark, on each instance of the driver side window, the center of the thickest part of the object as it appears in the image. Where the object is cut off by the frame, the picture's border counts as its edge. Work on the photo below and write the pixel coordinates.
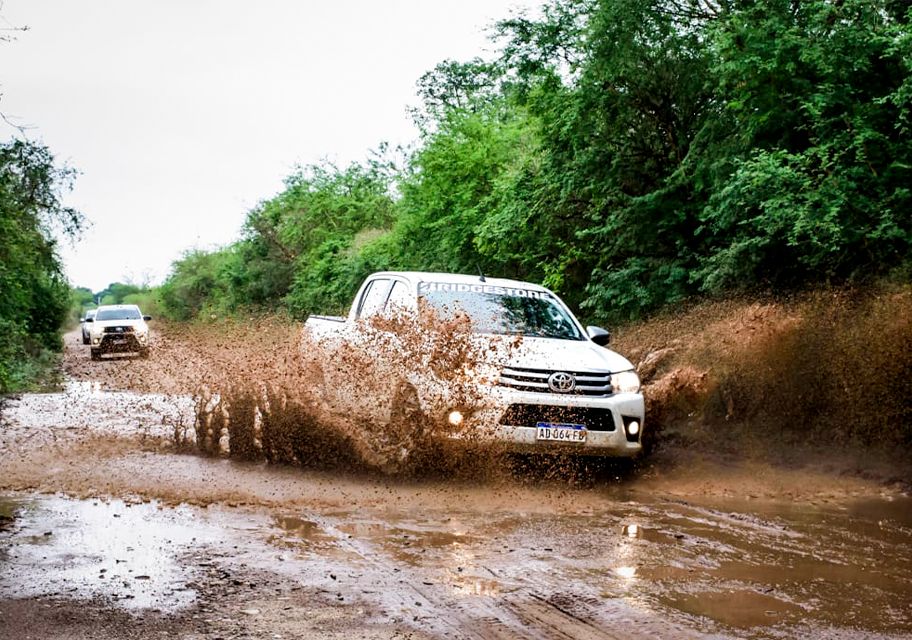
(374, 298)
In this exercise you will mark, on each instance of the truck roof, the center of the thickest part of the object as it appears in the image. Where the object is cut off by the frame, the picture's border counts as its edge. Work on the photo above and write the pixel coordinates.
(459, 278)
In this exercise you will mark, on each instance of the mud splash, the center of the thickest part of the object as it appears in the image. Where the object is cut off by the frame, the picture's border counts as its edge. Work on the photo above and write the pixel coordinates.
(829, 371)
(380, 401)
(821, 380)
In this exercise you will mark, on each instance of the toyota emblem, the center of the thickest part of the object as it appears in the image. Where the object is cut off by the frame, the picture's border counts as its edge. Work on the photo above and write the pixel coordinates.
(561, 382)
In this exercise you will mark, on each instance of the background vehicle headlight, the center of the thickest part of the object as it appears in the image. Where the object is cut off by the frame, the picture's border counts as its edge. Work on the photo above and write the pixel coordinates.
(625, 382)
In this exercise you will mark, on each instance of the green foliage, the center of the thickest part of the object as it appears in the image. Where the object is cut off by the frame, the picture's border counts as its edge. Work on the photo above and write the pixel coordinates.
(81, 299)
(199, 283)
(820, 188)
(628, 153)
(451, 190)
(34, 295)
(117, 292)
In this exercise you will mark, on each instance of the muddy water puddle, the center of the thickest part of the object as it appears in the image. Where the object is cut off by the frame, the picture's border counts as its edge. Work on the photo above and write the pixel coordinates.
(771, 570)
(662, 567)
(132, 553)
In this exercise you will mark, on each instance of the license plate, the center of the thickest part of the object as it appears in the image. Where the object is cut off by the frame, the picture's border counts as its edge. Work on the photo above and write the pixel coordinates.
(119, 339)
(560, 432)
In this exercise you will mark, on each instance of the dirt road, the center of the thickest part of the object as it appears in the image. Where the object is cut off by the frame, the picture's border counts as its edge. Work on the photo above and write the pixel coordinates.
(106, 531)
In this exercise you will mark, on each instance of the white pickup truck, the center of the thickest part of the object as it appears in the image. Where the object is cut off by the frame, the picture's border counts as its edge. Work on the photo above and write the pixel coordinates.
(555, 388)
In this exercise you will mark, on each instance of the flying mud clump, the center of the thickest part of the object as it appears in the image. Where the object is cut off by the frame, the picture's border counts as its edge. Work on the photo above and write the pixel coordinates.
(384, 401)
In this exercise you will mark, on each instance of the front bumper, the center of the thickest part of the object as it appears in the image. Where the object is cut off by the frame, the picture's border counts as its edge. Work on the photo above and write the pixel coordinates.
(119, 343)
(512, 425)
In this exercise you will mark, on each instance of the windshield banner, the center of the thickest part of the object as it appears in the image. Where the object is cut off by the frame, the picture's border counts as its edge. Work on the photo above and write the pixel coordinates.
(452, 287)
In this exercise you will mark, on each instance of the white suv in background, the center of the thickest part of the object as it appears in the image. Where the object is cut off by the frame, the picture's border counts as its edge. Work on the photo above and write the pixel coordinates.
(86, 337)
(118, 328)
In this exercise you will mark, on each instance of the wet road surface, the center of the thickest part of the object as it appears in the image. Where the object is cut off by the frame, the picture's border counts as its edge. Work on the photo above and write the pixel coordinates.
(106, 531)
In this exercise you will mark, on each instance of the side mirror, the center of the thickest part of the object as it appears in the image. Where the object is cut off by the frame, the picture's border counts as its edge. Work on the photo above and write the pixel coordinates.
(147, 318)
(89, 320)
(598, 335)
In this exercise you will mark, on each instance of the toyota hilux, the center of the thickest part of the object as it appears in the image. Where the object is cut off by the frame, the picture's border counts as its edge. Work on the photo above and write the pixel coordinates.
(118, 328)
(556, 389)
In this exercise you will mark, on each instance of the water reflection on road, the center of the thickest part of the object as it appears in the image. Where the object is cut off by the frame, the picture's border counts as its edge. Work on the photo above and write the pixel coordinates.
(668, 567)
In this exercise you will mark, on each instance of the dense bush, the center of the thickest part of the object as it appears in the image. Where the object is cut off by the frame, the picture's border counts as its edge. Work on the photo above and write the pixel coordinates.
(34, 294)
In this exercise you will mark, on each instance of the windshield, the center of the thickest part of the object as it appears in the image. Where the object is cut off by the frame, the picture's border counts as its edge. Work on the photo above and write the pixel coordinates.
(119, 314)
(501, 310)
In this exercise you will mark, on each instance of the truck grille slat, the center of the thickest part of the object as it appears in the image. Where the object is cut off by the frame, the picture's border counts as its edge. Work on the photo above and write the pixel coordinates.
(526, 373)
(513, 382)
(529, 415)
(118, 329)
(588, 383)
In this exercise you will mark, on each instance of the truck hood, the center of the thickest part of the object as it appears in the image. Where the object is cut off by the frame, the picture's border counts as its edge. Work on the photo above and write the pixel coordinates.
(559, 355)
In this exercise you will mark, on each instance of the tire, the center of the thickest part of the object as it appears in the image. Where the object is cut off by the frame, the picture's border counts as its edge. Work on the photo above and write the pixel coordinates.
(96, 354)
(85, 340)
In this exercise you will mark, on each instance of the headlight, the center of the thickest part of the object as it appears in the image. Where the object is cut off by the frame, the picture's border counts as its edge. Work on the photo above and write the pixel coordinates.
(625, 382)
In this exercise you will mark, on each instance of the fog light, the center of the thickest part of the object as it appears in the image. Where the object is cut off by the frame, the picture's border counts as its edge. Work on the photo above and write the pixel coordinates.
(455, 418)
(96, 340)
(633, 428)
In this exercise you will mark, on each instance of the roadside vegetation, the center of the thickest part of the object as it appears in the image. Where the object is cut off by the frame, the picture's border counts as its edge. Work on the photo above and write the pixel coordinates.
(35, 297)
(631, 155)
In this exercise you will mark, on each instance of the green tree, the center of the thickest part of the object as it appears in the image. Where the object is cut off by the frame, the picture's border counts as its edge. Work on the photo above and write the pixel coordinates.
(34, 294)
(820, 181)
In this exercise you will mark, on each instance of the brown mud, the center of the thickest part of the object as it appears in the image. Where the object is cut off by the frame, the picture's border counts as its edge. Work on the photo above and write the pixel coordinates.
(111, 526)
(821, 380)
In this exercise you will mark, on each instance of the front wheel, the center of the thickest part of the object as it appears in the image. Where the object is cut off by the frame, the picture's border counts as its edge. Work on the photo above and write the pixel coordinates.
(85, 340)
(96, 354)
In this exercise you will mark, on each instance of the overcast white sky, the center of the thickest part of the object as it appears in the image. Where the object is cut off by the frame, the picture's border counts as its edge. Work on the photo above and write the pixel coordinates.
(182, 114)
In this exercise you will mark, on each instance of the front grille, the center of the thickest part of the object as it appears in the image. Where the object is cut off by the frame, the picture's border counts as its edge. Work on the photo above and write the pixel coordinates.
(118, 329)
(588, 383)
(529, 415)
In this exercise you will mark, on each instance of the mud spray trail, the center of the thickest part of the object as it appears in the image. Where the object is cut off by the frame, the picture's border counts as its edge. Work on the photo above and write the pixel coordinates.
(108, 529)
